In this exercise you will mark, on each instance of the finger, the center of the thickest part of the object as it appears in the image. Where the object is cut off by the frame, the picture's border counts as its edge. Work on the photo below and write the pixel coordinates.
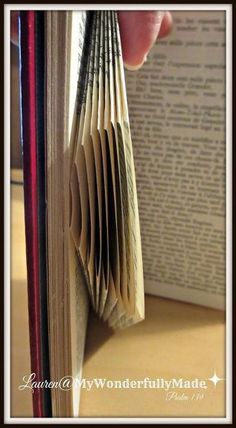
(14, 27)
(166, 25)
(139, 31)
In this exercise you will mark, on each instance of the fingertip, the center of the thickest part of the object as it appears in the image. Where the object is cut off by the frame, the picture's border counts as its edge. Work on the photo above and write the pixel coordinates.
(166, 25)
(139, 31)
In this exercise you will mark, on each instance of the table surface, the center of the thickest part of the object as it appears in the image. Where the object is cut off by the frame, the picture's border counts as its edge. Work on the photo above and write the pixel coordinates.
(176, 340)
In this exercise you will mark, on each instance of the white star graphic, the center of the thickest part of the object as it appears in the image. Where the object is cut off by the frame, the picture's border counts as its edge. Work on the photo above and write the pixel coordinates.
(215, 379)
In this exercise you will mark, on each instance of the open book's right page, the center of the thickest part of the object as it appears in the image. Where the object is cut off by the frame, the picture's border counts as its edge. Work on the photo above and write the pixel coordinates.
(177, 114)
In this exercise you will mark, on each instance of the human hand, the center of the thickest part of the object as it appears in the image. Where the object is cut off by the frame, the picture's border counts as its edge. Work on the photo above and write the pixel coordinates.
(138, 30)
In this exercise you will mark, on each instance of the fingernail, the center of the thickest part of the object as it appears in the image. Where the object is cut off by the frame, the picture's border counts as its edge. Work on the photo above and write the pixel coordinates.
(137, 66)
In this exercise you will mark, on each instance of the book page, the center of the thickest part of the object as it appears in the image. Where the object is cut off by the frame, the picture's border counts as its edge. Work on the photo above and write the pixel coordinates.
(104, 221)
(67, 298)
(78, 302)
(177, 114)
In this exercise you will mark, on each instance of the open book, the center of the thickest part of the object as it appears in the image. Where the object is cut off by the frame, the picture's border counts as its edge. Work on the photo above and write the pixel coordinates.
(177, 110)
(104, 221)
(83, 235)
(84, 193)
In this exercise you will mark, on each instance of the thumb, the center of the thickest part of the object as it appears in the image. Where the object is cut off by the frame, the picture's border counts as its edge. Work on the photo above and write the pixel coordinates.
(139, 31)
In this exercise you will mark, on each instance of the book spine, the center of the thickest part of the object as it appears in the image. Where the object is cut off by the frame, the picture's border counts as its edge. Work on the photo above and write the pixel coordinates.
(29, 144)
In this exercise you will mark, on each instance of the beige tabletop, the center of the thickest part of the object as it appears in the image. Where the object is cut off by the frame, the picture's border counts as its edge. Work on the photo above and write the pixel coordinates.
(176, 340)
